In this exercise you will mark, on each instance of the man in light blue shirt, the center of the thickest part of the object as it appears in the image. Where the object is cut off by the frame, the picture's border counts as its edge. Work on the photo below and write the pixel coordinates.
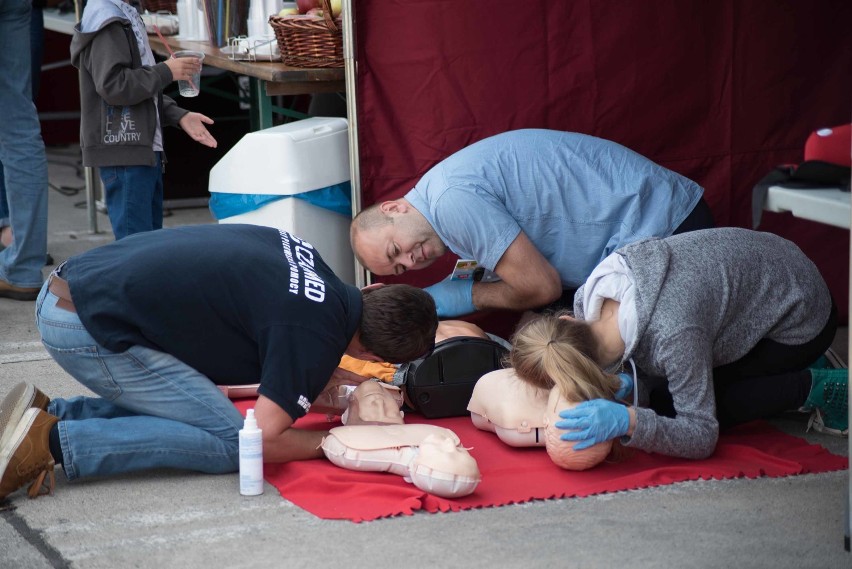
(538, 207)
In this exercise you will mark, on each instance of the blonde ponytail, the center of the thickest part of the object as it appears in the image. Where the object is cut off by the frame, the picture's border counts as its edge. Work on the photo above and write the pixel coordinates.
(557, 351)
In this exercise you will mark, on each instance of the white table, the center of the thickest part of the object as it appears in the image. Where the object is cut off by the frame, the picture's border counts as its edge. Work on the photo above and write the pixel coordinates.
(826, 205)
(56, 22)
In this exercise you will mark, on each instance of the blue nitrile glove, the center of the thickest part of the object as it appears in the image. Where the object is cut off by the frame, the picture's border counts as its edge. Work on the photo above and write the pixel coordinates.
(594, 422)
(452, 297)
(626, 386)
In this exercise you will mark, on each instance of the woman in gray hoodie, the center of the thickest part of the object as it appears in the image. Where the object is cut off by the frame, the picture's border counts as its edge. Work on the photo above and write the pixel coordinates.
(731, 318)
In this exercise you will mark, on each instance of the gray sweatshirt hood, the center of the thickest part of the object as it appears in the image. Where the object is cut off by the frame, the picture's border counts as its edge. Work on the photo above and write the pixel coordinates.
(97, 15)
(648, 260)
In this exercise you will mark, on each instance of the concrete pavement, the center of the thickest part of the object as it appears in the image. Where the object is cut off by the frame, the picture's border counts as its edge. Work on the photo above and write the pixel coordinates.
(170, 519)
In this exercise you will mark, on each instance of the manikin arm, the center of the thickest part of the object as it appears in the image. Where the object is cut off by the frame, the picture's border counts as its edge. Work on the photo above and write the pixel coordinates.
(527, 280)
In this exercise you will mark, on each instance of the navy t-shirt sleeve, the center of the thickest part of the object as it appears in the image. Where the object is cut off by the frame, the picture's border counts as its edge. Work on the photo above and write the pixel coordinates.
(297, 363)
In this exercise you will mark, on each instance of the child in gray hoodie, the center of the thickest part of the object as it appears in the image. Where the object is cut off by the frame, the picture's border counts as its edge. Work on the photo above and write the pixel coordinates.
(124, 109)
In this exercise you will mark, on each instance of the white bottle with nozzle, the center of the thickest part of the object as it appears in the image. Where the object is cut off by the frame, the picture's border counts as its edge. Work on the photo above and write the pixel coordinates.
(251, 457)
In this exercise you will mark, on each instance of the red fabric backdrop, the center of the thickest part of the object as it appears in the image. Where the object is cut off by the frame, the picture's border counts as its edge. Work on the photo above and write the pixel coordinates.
(718, 91)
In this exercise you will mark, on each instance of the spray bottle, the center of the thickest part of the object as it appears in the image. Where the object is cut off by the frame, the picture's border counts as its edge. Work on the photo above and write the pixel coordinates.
(251, 457)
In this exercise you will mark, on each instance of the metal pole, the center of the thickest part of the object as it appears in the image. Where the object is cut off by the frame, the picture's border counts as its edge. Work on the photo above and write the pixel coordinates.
(848, 514)
(350, 70)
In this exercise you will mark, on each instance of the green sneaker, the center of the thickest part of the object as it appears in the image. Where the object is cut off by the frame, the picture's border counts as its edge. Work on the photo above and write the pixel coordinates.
(829, 398)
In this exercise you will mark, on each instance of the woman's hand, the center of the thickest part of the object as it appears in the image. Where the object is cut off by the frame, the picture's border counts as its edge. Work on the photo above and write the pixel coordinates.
(593, 422)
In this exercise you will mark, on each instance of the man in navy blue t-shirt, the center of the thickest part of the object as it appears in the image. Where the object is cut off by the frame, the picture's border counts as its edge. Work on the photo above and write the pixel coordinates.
(152, 323)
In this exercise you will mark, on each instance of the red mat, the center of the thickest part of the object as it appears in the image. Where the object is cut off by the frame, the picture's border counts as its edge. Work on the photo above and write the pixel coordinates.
(514, 476)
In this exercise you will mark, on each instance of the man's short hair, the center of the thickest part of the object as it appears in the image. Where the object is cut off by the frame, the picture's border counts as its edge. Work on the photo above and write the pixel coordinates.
(371, 217)
(398, 322)
(367, 220)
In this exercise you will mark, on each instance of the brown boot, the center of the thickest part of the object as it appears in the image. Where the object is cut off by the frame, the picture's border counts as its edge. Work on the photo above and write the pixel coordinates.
(8, 290)
(26, 457)
(20, 398)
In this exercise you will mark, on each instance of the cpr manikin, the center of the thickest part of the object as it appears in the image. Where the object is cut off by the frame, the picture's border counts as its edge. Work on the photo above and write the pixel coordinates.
(430, 457)
(523, 415)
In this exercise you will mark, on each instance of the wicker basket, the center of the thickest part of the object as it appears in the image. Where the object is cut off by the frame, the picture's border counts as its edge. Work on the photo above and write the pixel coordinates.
(310, 41)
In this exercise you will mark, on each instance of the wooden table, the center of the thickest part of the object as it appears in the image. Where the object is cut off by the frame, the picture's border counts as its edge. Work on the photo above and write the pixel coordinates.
(266, 78)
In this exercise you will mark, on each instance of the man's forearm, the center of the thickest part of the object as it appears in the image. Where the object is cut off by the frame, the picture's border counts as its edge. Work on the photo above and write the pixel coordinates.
(500, 295)
(293, 444)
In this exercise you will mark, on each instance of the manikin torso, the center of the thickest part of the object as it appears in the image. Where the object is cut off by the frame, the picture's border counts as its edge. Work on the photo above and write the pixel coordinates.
(430, 457)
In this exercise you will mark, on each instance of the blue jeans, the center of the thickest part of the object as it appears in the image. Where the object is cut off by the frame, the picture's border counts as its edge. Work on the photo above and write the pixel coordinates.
(152, 410)
(134, 197)
(21, 151)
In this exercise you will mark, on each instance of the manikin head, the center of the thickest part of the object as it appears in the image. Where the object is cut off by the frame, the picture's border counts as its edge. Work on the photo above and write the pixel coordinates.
(561, 452)
(392, 237)
(374, 403)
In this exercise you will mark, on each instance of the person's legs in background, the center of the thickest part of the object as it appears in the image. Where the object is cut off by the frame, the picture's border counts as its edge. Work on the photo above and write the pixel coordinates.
(36, 57)
(23, 158)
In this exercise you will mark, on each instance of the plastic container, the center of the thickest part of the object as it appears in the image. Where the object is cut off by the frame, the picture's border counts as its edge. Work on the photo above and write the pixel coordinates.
(251, 457)
(290, 161)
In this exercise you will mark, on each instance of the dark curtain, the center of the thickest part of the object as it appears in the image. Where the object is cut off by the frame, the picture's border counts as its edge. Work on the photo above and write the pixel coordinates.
(718, 91)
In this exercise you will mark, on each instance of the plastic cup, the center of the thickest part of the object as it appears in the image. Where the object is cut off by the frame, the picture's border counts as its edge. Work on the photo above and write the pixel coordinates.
(192, 87)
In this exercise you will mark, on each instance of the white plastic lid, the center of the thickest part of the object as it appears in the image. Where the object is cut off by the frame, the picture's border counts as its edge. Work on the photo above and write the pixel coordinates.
(250, 422)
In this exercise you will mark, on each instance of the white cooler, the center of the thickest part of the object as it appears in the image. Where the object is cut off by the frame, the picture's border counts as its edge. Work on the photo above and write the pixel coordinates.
(286, 160)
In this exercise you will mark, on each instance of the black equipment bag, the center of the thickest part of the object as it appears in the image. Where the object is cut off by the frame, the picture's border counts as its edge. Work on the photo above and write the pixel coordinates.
(441, 384)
